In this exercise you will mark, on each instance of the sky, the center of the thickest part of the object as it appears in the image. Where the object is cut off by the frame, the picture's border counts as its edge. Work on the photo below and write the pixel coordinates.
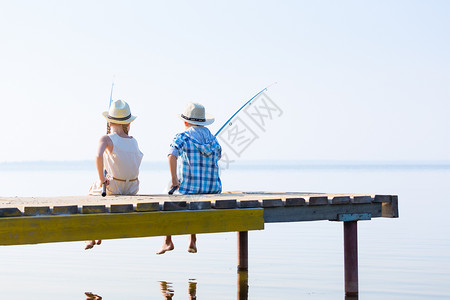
(356, 80)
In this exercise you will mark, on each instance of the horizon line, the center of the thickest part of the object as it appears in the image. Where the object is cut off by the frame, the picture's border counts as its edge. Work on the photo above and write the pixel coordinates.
(83, 165)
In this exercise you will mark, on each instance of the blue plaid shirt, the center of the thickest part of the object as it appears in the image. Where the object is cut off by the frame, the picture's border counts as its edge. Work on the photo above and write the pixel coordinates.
(198, 169)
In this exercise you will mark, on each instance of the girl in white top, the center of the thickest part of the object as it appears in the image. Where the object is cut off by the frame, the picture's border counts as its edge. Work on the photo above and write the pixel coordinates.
(118, 154)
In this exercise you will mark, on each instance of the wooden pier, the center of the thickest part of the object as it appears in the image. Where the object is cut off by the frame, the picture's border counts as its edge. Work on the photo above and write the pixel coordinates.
(34, 220)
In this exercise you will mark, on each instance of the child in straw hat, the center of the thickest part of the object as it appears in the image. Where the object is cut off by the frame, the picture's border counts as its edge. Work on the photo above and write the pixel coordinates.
(118, 154)
(199, 153)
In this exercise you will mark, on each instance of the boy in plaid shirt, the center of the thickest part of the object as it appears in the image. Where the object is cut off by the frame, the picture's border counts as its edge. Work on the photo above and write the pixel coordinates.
(198, 169)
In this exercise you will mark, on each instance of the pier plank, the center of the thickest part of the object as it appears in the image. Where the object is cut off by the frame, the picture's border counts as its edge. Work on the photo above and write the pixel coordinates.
(382, 198)
(10, 212)
(93, 209)
(295, 201)
(175, 205)
(36, 211)
(340, 200)
(320, 200)
(121, 208)
(361, 199)
(225, 204)
(272, 203)
(249, 204)
(196, 205)
(147, 206)
(65, 210)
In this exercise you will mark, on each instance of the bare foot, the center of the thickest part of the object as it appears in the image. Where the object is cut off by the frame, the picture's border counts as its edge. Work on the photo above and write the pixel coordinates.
(166, 247)
(89, 245)
(192, 248)
(192, 244)
(99, 242)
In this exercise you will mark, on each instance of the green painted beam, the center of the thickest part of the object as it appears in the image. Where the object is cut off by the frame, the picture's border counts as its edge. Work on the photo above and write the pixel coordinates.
(79, 227)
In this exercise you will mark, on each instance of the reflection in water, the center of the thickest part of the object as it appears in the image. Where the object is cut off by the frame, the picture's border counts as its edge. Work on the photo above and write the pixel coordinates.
(168, 292)
(242, 285)
(242, 288)
(91, 296)
(166, 289)
(192, 290)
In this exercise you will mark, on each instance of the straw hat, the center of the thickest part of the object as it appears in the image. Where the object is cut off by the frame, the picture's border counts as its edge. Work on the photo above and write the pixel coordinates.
(194, 113)
(119, 113)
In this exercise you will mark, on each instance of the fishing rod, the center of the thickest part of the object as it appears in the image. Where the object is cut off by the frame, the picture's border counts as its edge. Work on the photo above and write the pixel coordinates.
(229, 120)
(110, 97)
(172, 190)
(104, 172)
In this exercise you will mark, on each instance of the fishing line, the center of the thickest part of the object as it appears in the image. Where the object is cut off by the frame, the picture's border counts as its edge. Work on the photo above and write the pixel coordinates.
(229, 120)
(104, 172)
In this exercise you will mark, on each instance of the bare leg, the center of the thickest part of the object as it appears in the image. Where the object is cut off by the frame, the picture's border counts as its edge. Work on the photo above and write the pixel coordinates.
(167, 245)
(192, 244)
(99, 242)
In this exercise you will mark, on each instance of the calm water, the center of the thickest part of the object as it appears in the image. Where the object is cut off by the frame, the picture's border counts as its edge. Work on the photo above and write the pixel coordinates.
(405, 258)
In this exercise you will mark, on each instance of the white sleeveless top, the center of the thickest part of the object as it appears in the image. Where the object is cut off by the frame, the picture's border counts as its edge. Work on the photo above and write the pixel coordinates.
(122, 165)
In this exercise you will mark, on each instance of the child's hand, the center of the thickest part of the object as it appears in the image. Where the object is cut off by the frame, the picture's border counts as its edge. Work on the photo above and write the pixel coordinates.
(175, 183)
(106, 181)
(175, 186)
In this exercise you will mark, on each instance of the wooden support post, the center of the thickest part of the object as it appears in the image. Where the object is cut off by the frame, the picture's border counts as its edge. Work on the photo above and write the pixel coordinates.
(351, 258)
(242, 243)
(242, 285)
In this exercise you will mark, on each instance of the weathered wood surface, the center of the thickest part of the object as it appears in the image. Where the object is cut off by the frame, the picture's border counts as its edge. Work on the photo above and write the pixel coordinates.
(33, 206)
(29, 220)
